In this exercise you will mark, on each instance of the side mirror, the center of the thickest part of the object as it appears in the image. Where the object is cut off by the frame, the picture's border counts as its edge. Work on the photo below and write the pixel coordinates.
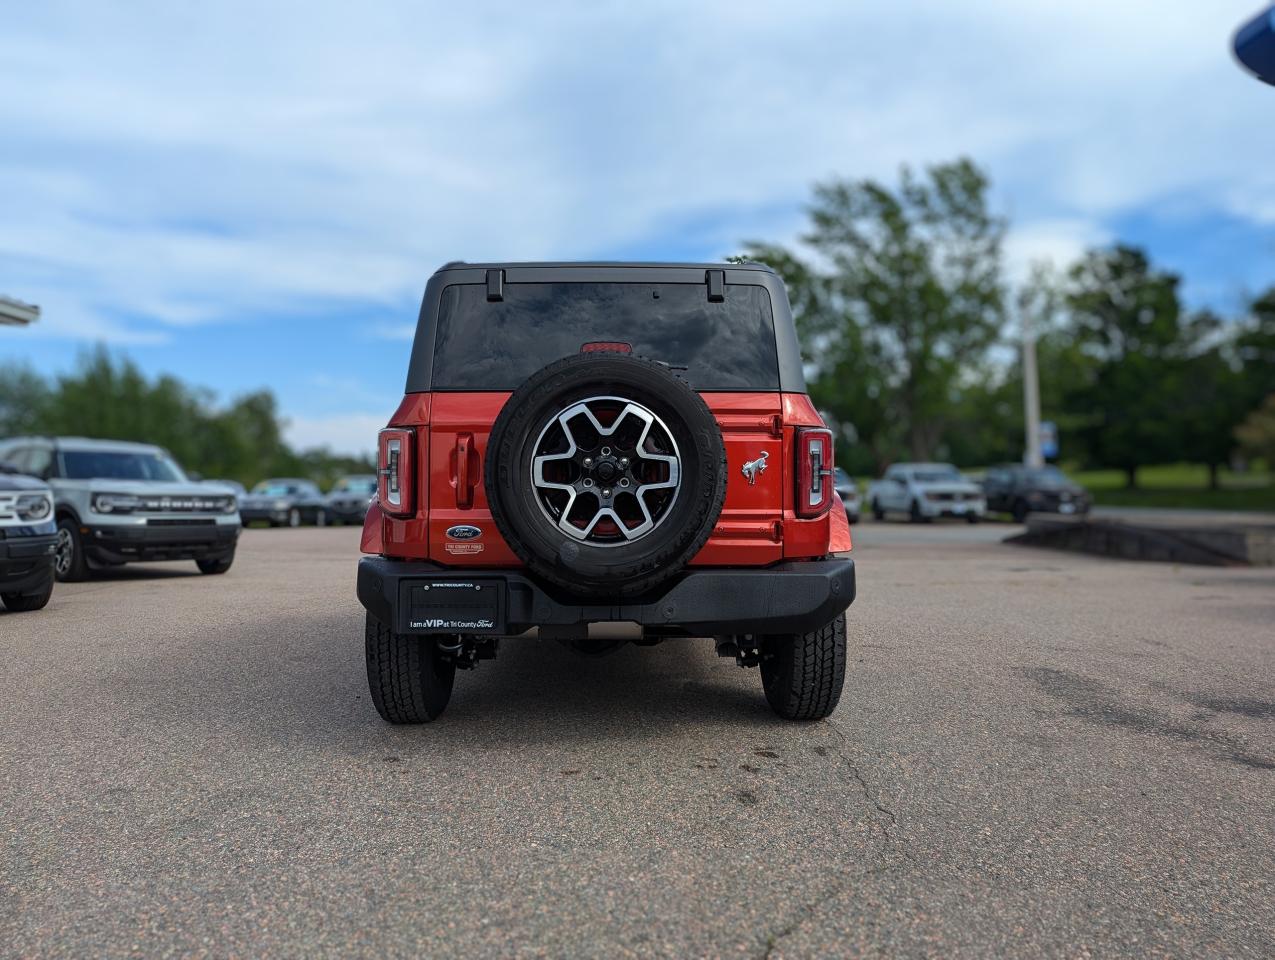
(1255, 46)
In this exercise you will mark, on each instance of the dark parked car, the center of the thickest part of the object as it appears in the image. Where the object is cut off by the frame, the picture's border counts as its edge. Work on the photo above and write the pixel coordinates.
(284, 502)
(1019, 490)
(28, 542)
(348, 500)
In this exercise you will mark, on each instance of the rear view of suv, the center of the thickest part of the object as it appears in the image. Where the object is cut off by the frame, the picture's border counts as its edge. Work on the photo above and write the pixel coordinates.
(118, 502)
(585, 444)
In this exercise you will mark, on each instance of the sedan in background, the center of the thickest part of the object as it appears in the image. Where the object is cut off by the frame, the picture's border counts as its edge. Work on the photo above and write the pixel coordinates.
(848, 491)
(284, 502)
(349, 499)
(1018, 489)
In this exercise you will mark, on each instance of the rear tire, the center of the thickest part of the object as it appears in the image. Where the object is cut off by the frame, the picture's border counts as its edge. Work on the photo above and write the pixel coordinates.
(579, 566)
(877, 513)
(409, 681)
(802, 674)
(26, 602)
(914, 512)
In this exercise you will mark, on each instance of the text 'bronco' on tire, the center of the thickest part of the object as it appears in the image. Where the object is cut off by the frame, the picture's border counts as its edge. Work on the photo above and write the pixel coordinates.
(587, 444)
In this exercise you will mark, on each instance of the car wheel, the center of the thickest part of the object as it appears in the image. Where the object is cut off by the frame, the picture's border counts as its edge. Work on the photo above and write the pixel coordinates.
(877, 512)
(972, 518)
(216, 565)
(69, 563)
(1020, 511)
(409, 680)
(294, 517)
(606, 473)
(914, 512)
(802, 674)
(321, 518)
(26, 602)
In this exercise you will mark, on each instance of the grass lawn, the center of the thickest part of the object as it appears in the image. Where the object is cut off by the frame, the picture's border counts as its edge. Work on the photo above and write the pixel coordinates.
(1181, 485)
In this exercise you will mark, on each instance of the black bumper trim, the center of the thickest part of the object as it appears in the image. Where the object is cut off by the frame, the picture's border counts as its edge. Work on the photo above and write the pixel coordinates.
(789, 597)
(26, 563)
(177, 542)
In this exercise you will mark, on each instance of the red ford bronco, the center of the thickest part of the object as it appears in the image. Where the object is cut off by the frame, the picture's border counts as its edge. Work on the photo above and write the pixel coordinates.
(597, 443)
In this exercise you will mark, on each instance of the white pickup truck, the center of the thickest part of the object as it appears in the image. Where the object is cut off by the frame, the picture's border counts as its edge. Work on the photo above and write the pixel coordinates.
(924, 491)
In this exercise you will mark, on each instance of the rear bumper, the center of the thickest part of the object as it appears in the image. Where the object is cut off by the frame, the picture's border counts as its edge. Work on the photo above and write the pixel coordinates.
(186, 541)
(26, 563)
(794, 596)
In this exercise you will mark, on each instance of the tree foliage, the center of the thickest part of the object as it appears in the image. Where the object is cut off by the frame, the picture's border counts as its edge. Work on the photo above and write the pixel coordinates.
(110, 398)
(898, 298)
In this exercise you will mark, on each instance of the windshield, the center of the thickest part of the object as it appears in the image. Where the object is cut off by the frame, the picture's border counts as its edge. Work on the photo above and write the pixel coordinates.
(119, 465)
(273, 488)
(482, 345)
(939, 475)
(356, 485)
(1047, 477)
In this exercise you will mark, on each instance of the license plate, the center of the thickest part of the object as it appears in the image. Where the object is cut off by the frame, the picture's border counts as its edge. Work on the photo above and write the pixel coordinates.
(455, 606)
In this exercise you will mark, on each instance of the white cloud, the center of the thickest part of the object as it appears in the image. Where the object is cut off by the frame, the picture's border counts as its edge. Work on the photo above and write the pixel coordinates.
(352, 434)
(191, 165)
(1053, 243)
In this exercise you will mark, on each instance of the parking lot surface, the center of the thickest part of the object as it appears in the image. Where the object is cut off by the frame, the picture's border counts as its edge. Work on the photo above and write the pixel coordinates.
(1036, 753)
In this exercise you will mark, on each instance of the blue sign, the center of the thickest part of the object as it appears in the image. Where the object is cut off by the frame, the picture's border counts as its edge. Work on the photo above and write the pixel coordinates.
(1048, 440)
(1255, 46)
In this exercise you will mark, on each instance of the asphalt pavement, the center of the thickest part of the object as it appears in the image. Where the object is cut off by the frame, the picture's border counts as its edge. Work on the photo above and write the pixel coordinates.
(1037, 754)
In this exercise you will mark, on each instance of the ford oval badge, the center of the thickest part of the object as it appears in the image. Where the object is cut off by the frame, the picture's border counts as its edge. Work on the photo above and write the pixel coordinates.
(463, 531)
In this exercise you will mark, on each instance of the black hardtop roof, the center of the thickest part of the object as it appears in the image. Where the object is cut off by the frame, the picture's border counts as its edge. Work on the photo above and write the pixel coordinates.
(598, 264)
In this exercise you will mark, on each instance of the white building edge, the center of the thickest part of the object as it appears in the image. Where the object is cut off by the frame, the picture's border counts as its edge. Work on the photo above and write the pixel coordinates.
(16, 313)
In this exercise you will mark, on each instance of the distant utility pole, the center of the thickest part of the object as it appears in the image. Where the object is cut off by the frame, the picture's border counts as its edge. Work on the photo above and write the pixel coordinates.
(16, 313)
(1031, 392)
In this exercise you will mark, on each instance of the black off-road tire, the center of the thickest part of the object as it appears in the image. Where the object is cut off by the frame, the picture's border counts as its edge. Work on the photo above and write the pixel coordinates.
(409, 680)
(26, 602)
(802, 674)
(584, 569)
(77, 569)
(216, 565)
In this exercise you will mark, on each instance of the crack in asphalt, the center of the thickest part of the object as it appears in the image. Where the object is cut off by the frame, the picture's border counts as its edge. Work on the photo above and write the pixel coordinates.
(887, 822)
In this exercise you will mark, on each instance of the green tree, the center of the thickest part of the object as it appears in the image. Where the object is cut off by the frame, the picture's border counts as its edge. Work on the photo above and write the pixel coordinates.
(1127, 319)
(24, 396)
(109, 397)
(900, 297)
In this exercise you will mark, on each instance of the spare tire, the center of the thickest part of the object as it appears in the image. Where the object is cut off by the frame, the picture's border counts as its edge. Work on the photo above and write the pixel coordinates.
(605, 473)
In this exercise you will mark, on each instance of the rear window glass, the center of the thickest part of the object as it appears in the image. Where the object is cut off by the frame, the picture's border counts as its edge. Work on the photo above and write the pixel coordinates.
(481, 345)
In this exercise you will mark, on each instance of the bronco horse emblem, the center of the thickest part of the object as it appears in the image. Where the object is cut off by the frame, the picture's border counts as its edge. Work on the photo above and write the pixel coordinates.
(754, 467)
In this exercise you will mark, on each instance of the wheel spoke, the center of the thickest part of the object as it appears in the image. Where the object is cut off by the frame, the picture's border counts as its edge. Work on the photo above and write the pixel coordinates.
(623, 468)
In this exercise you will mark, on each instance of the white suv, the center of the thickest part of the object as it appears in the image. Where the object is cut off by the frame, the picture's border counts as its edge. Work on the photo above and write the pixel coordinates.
(119, 502)
(926, 490)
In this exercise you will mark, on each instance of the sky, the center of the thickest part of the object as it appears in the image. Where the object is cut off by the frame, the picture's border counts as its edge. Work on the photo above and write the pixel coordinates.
(253, 195)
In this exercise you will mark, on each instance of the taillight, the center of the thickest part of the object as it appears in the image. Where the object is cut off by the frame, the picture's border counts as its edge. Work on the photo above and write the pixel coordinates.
(814, 471)
(394, 471)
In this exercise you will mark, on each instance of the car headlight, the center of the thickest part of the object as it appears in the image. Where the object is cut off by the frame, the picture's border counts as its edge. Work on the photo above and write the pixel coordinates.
(115, 503)
(34, 506)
